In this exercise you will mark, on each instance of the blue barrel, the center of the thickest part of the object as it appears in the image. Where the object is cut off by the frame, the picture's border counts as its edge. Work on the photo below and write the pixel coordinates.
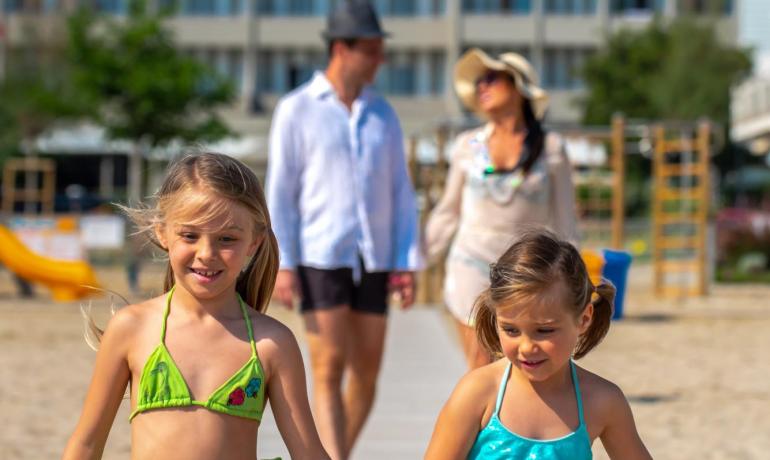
(616, 265)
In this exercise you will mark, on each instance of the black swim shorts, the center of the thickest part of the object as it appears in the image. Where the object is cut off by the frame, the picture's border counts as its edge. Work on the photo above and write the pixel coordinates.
(327, 288)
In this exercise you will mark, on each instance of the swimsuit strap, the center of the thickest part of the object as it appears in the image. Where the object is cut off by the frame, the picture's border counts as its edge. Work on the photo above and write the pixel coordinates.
(501, 391)
(165, 314)
(577, 391)
(243, 310)
(248, 325)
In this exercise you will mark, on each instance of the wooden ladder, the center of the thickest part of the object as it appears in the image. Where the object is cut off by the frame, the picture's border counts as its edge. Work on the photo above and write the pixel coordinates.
(680, 207)
(36, 189)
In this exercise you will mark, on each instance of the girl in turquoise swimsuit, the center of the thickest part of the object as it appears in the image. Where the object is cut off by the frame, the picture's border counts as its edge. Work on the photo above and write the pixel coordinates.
(538, 315)
(202, 360)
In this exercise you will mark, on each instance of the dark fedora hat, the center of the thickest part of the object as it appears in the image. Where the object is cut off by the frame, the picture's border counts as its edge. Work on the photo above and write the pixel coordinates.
(353, 19)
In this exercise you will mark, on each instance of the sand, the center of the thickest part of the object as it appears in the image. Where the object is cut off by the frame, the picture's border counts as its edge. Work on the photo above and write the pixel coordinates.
(696, 371)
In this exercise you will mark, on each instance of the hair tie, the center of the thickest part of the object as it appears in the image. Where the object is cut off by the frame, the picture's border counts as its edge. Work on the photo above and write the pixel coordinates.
(494, 274)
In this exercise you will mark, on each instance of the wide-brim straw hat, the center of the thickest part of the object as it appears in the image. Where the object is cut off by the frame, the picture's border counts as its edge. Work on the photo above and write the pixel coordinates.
(475, 63)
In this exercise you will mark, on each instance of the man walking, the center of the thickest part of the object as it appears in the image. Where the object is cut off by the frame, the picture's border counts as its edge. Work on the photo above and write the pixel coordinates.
(345, 215)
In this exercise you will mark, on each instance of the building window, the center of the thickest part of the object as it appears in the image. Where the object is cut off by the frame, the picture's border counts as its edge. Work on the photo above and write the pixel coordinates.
(289, 7)
(211, 7)
(280, 71)
(437, 72)
(705, 6)
(265, 7)
(234, 68)
(497, 6)
(12, 6)
(569, 7)
(396, 7)
(35, 7)
(496, 50)
(198, 7)
(636, 6)
(264, 72)
(300, 7)
(398, 76)
(110, 6)
(562, 68)
(301, 66)
(437, 7)
(383, 7)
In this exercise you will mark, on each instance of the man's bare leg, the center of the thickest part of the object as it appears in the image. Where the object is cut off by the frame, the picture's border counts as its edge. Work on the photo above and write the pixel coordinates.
(366, 344)
(327, 338)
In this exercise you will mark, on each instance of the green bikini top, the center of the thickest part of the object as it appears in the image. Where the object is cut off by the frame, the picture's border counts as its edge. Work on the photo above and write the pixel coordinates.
(161, 384)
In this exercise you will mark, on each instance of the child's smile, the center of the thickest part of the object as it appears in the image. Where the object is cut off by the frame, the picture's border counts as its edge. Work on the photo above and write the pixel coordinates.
(207, 257)
(204, 275)
(539, 337)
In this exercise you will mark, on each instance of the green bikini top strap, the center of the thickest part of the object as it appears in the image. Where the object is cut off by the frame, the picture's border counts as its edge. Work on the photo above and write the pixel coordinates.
(248, 325)
(243, 310)
(165, 315)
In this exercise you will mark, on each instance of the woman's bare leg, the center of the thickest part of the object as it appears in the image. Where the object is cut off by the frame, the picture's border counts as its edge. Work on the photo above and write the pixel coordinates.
(475, 354)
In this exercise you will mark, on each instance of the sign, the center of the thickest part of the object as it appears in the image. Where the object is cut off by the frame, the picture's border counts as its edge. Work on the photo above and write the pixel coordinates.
(103, 231)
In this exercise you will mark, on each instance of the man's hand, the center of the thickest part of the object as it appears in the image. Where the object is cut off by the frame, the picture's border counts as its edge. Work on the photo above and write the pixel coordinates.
(285, 288)
(401, 284)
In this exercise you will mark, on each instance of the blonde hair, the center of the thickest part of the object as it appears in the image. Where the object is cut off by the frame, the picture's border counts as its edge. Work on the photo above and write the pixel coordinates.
(217, 176)
(530, 268)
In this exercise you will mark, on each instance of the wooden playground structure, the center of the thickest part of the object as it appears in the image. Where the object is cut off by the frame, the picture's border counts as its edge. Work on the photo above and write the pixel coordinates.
(680, 210)
(39, 185)
(679, 198)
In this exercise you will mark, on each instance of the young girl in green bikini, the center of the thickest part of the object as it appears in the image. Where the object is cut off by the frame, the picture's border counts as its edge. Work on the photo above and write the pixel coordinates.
(535, 403)
(202, 359)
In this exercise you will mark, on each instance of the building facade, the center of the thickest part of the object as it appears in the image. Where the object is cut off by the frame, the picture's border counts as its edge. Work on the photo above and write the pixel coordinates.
(268, 47)
(750, 102)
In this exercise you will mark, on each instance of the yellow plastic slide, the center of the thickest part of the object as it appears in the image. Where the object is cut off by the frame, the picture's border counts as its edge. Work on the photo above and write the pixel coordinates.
(66, 279)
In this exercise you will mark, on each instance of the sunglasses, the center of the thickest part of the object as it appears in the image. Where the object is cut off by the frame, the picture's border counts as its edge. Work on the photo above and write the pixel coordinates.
(491, 77)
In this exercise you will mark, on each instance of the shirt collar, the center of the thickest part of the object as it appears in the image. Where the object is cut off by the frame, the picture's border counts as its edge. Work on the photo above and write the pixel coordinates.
(486, 131)
(320, 87)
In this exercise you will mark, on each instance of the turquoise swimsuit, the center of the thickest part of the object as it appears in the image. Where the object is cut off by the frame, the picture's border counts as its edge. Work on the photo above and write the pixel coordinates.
(496, 442)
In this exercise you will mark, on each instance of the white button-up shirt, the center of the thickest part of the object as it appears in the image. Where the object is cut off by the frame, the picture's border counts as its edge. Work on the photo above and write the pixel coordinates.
(337, 182)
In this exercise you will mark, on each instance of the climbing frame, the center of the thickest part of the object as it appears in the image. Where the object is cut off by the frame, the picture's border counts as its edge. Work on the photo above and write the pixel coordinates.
(680, 207)
(39, 184)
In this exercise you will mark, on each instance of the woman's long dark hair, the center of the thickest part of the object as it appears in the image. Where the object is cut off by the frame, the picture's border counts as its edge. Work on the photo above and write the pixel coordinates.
(535, 139)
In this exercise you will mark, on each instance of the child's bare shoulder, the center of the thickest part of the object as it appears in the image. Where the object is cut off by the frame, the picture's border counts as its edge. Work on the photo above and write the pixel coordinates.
(485, 379)
(129, 321)
(600, 396)
(272, 336)
(267, 327)
(478, 387)
(132, 316)
(277, 347)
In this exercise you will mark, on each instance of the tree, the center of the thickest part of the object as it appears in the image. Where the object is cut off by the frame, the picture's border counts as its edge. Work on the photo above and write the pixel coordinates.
(675, 71)
(36, 93)
(147, 92)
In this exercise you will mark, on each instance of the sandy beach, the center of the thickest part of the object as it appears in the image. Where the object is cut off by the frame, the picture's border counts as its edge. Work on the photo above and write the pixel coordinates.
(695, 370)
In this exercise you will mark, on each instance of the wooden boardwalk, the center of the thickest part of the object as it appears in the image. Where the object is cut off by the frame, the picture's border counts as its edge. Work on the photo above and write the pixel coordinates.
(422, 364)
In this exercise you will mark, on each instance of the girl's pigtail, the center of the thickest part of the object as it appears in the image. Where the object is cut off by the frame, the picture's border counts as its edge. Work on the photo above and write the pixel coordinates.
(168, 280)
(256, 283)
(485, 322)
(600, 324)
